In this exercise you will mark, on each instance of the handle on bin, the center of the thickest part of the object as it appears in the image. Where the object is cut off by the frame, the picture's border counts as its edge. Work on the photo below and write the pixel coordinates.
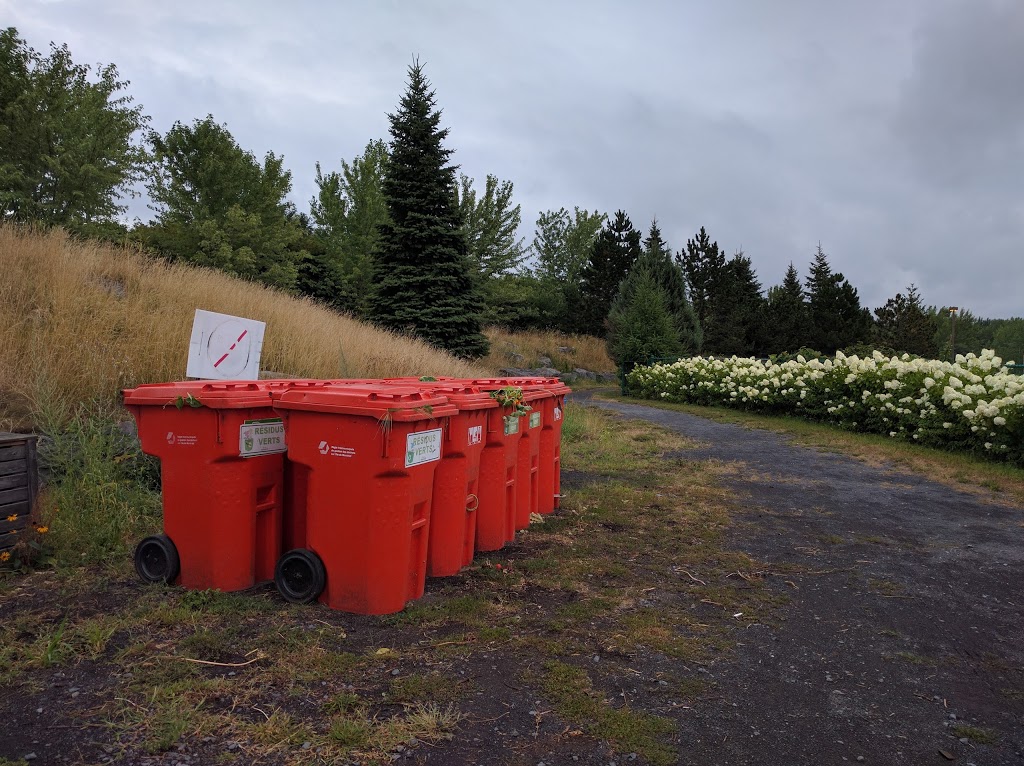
(472, 499)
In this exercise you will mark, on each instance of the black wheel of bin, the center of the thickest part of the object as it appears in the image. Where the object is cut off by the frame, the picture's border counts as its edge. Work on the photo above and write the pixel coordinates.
(300, 576)
(156, 559)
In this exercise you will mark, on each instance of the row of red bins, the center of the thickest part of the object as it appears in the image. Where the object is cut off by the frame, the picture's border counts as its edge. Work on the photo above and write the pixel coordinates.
(347, 491)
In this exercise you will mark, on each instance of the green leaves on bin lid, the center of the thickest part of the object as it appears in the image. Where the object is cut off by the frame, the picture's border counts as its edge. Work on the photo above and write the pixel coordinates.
(511, 396)
(428, 379)
(188, 399)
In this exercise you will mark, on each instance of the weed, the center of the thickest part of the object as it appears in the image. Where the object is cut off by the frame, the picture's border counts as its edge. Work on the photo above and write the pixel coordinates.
(974, 733)
(915, 659)
(343, 702)
(570, 691)
(350, 732)
(55, 648)
(422, 687)
(103, 493)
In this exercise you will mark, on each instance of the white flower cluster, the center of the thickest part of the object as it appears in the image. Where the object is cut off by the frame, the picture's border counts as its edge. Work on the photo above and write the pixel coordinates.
(972, 403)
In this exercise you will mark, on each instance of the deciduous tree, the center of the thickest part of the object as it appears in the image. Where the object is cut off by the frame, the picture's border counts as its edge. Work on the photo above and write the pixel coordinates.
(218, 206)
(71, 141)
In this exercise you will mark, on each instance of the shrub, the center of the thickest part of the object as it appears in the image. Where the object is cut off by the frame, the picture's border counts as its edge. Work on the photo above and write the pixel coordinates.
(972, 404)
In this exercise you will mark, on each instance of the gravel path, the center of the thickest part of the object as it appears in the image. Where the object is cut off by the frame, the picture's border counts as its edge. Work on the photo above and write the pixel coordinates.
(903, 641)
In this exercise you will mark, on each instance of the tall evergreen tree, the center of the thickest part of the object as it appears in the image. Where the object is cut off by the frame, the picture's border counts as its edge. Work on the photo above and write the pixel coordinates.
(903, 325)
(702, 263)
(836, 319)
(737, 318)
(640, 324)
(421, 268)
(657, 259)
(786, 309)
(614, 252)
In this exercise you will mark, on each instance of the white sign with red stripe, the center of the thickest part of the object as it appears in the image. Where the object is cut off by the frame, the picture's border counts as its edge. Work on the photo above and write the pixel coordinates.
(224, 347)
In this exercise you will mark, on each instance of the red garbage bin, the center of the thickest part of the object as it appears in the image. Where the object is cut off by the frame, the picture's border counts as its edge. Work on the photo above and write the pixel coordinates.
(368, 457)
(456, 500)
(496, 516)
(222, 473)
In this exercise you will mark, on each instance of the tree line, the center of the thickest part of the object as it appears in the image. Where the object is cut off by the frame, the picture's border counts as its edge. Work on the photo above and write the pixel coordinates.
(398, 236)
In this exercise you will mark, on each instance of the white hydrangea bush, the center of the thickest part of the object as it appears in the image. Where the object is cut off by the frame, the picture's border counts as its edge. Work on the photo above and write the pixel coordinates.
(973, 403)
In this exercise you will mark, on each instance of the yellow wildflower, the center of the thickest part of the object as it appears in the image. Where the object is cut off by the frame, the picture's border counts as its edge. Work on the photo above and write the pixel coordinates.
(13, 517)
(42, 530)
(5, 556)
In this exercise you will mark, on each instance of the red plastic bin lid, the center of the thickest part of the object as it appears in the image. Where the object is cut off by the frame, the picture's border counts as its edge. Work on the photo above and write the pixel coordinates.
(548, 386)
(221, 394)
(463, 397)
(400, 403)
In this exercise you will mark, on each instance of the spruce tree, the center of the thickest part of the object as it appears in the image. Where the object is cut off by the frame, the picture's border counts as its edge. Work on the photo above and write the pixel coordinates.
(702, 263)
(657, 259)
(737, 317)
(835, 315)
(641, 326)
(786, 322)
(903, 325)
(421, 270)
(614, 252)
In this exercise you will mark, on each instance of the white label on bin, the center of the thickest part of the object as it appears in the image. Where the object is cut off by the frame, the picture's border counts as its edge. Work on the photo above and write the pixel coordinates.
(534, 419)
(476, 434)
(422, 447)
(558, 413)
(511, 424)
(261, 437)
(182, 440)
(335, 450)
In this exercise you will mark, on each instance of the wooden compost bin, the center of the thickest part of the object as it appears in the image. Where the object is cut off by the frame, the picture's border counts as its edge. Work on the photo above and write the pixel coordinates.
(19, 483)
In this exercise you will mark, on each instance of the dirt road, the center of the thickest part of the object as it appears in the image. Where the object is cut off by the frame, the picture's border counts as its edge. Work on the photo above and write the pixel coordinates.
(903, 642)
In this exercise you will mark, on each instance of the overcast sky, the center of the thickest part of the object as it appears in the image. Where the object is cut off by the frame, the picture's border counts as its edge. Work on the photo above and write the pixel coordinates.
(890, 130)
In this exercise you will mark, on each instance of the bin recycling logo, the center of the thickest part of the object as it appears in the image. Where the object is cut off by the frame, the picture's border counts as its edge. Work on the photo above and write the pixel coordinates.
(422, 447)
(335, 450)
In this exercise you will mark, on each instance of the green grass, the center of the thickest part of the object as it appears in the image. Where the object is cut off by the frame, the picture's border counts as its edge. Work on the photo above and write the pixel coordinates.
(571, 692)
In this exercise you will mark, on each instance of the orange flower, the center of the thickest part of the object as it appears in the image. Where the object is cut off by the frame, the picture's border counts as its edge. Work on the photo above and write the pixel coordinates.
(5, 556)
(13, 517)
(42, 530)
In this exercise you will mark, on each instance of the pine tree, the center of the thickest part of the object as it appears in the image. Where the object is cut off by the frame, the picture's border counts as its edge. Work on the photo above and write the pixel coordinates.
(903, 325)
(614, 252)
(657, 259)
(737, 317)
(786, 322)
(641, 327)
(702, 263)
(836, 319)
(421, 268)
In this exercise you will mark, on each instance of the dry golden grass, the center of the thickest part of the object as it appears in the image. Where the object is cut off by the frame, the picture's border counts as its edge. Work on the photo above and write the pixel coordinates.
(79, 321)
(588, 352)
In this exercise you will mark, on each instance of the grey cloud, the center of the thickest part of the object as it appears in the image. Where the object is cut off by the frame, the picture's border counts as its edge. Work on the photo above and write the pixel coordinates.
(889, 131)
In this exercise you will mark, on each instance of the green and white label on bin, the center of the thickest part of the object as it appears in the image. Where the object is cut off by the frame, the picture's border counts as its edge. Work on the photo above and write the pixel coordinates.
(422, 447)
(261, 437)
(511, 424)
(534, 419)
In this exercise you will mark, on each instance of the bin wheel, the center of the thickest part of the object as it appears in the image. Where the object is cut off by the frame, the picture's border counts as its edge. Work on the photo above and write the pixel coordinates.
(300, 576)
(156, 560)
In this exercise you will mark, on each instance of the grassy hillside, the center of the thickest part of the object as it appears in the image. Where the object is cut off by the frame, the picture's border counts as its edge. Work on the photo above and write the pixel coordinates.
(79, 321)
